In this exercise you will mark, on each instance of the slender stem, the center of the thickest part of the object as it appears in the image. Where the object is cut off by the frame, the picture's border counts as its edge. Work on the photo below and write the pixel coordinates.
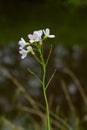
(45, 97)
(44, 90)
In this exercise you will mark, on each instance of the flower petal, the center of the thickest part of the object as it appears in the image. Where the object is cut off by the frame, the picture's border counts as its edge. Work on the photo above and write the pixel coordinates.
(20, 51)
(47, 31)
(29, 48)
(20, 47)
(51, 36)
(36, 36)
(22, 39)
(23, 56)
(30, 36)
(40, 33)
(22, 42)
(31, 41)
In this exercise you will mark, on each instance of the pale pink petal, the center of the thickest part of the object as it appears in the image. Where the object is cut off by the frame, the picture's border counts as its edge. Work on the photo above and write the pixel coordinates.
(36, 36)
(40, 33)
(30, 36)
(31, 41)
(29, 48)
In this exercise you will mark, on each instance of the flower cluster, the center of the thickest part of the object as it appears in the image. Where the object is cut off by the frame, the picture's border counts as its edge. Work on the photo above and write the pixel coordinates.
(26, 47)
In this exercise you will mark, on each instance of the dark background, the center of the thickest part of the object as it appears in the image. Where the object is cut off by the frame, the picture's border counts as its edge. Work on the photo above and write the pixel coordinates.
(66, 18)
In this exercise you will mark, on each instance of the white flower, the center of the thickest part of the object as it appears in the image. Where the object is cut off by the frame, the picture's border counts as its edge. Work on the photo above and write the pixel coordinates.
(23, 53)
(47, 33)
(36, 36)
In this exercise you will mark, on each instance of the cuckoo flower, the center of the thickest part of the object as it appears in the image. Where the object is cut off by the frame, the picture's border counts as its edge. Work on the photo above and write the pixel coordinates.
(24, 52)
(47, 33)
(26, 48)
(35, 37)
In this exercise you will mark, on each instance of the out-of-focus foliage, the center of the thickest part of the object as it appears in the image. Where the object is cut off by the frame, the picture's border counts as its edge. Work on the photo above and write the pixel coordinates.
(73, 2)
(77, 2)
(67, 19)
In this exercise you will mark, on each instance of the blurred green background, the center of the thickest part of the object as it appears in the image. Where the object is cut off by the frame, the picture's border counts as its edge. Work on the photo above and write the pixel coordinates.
(66, 18)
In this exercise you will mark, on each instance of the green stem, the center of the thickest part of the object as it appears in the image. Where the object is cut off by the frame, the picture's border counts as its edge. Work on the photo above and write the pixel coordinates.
(44, 90)
(45, 97)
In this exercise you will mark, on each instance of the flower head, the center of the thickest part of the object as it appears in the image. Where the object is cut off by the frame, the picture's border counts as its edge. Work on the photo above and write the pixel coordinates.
(35, 37)
(47, 33)
(24, 52)
(25, 48)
